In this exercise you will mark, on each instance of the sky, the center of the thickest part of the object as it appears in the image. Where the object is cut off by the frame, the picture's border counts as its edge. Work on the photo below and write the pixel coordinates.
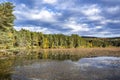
(98, 18)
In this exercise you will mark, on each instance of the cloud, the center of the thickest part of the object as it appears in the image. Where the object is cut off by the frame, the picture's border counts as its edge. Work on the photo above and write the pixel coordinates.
(84, 17)
(31, 28)
(113, 10)
(107, 21)
(43, 14)
(36, 29)
(75, 27)
(98, 27)
(93, 12)
(49, 1)
(111, 0)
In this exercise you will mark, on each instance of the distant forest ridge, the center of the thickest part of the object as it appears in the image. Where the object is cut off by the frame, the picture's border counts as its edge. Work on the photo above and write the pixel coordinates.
(100, 37)
(10, 38)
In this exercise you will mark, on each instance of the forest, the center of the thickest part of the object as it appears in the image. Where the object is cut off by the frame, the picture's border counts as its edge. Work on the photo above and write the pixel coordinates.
(11, 38)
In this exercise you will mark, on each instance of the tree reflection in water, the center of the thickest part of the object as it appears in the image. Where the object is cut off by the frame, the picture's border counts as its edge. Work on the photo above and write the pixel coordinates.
(6, 69)
(59, 65)
(84, 69)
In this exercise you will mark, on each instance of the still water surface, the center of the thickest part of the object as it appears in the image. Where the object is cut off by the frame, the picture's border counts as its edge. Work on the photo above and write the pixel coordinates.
(60, 67)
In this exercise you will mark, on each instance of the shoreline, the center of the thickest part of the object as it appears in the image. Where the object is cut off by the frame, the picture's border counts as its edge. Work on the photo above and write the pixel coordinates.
(100, 48)
(14, 51)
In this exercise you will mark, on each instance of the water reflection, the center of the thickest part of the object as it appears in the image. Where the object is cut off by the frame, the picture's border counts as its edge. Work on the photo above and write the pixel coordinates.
(99, 68)
(5, 69)
(59, 65)
(101, 62)
(58, 56)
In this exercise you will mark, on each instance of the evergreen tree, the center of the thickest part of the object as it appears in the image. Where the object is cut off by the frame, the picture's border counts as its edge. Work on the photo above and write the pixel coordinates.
(6, 24)
(6, 16)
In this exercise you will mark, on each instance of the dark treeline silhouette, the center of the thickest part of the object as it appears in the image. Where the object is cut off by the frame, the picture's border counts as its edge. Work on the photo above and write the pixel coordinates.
(10, 38)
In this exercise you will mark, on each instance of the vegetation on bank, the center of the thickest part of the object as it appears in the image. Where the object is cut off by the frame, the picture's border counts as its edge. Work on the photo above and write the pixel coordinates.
(10, 38)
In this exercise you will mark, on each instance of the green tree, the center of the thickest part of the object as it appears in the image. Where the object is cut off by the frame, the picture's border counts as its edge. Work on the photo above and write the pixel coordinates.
(6, 16)
(6, 24)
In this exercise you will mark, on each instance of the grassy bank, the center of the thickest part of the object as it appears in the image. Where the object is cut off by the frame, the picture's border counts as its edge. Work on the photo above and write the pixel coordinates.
(84, 52)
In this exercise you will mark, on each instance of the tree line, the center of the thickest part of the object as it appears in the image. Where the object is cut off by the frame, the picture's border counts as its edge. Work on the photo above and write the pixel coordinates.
(10, 38)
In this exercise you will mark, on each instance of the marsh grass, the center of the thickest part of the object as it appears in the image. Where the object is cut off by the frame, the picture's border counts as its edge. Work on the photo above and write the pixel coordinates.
(61, 54)
(87, 52)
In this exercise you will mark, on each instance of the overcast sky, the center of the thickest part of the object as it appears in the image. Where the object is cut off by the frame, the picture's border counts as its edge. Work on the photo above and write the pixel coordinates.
(100, 18)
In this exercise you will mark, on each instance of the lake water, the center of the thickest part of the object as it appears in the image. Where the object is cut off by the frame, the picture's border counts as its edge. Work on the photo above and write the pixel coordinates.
(59, 66)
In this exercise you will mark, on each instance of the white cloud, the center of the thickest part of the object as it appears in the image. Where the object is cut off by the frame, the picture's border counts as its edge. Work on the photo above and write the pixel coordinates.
(113, 10)
(98, 27)
(24, 13)
(34, 29)
(21, 12)
(75, 27)
(49, 1)
(43, 15)
(104, 33)
(92, 12)
(107, 21)
(95, 17)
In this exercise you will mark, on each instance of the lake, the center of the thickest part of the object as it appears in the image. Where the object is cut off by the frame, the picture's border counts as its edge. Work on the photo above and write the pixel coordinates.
(60, 65)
